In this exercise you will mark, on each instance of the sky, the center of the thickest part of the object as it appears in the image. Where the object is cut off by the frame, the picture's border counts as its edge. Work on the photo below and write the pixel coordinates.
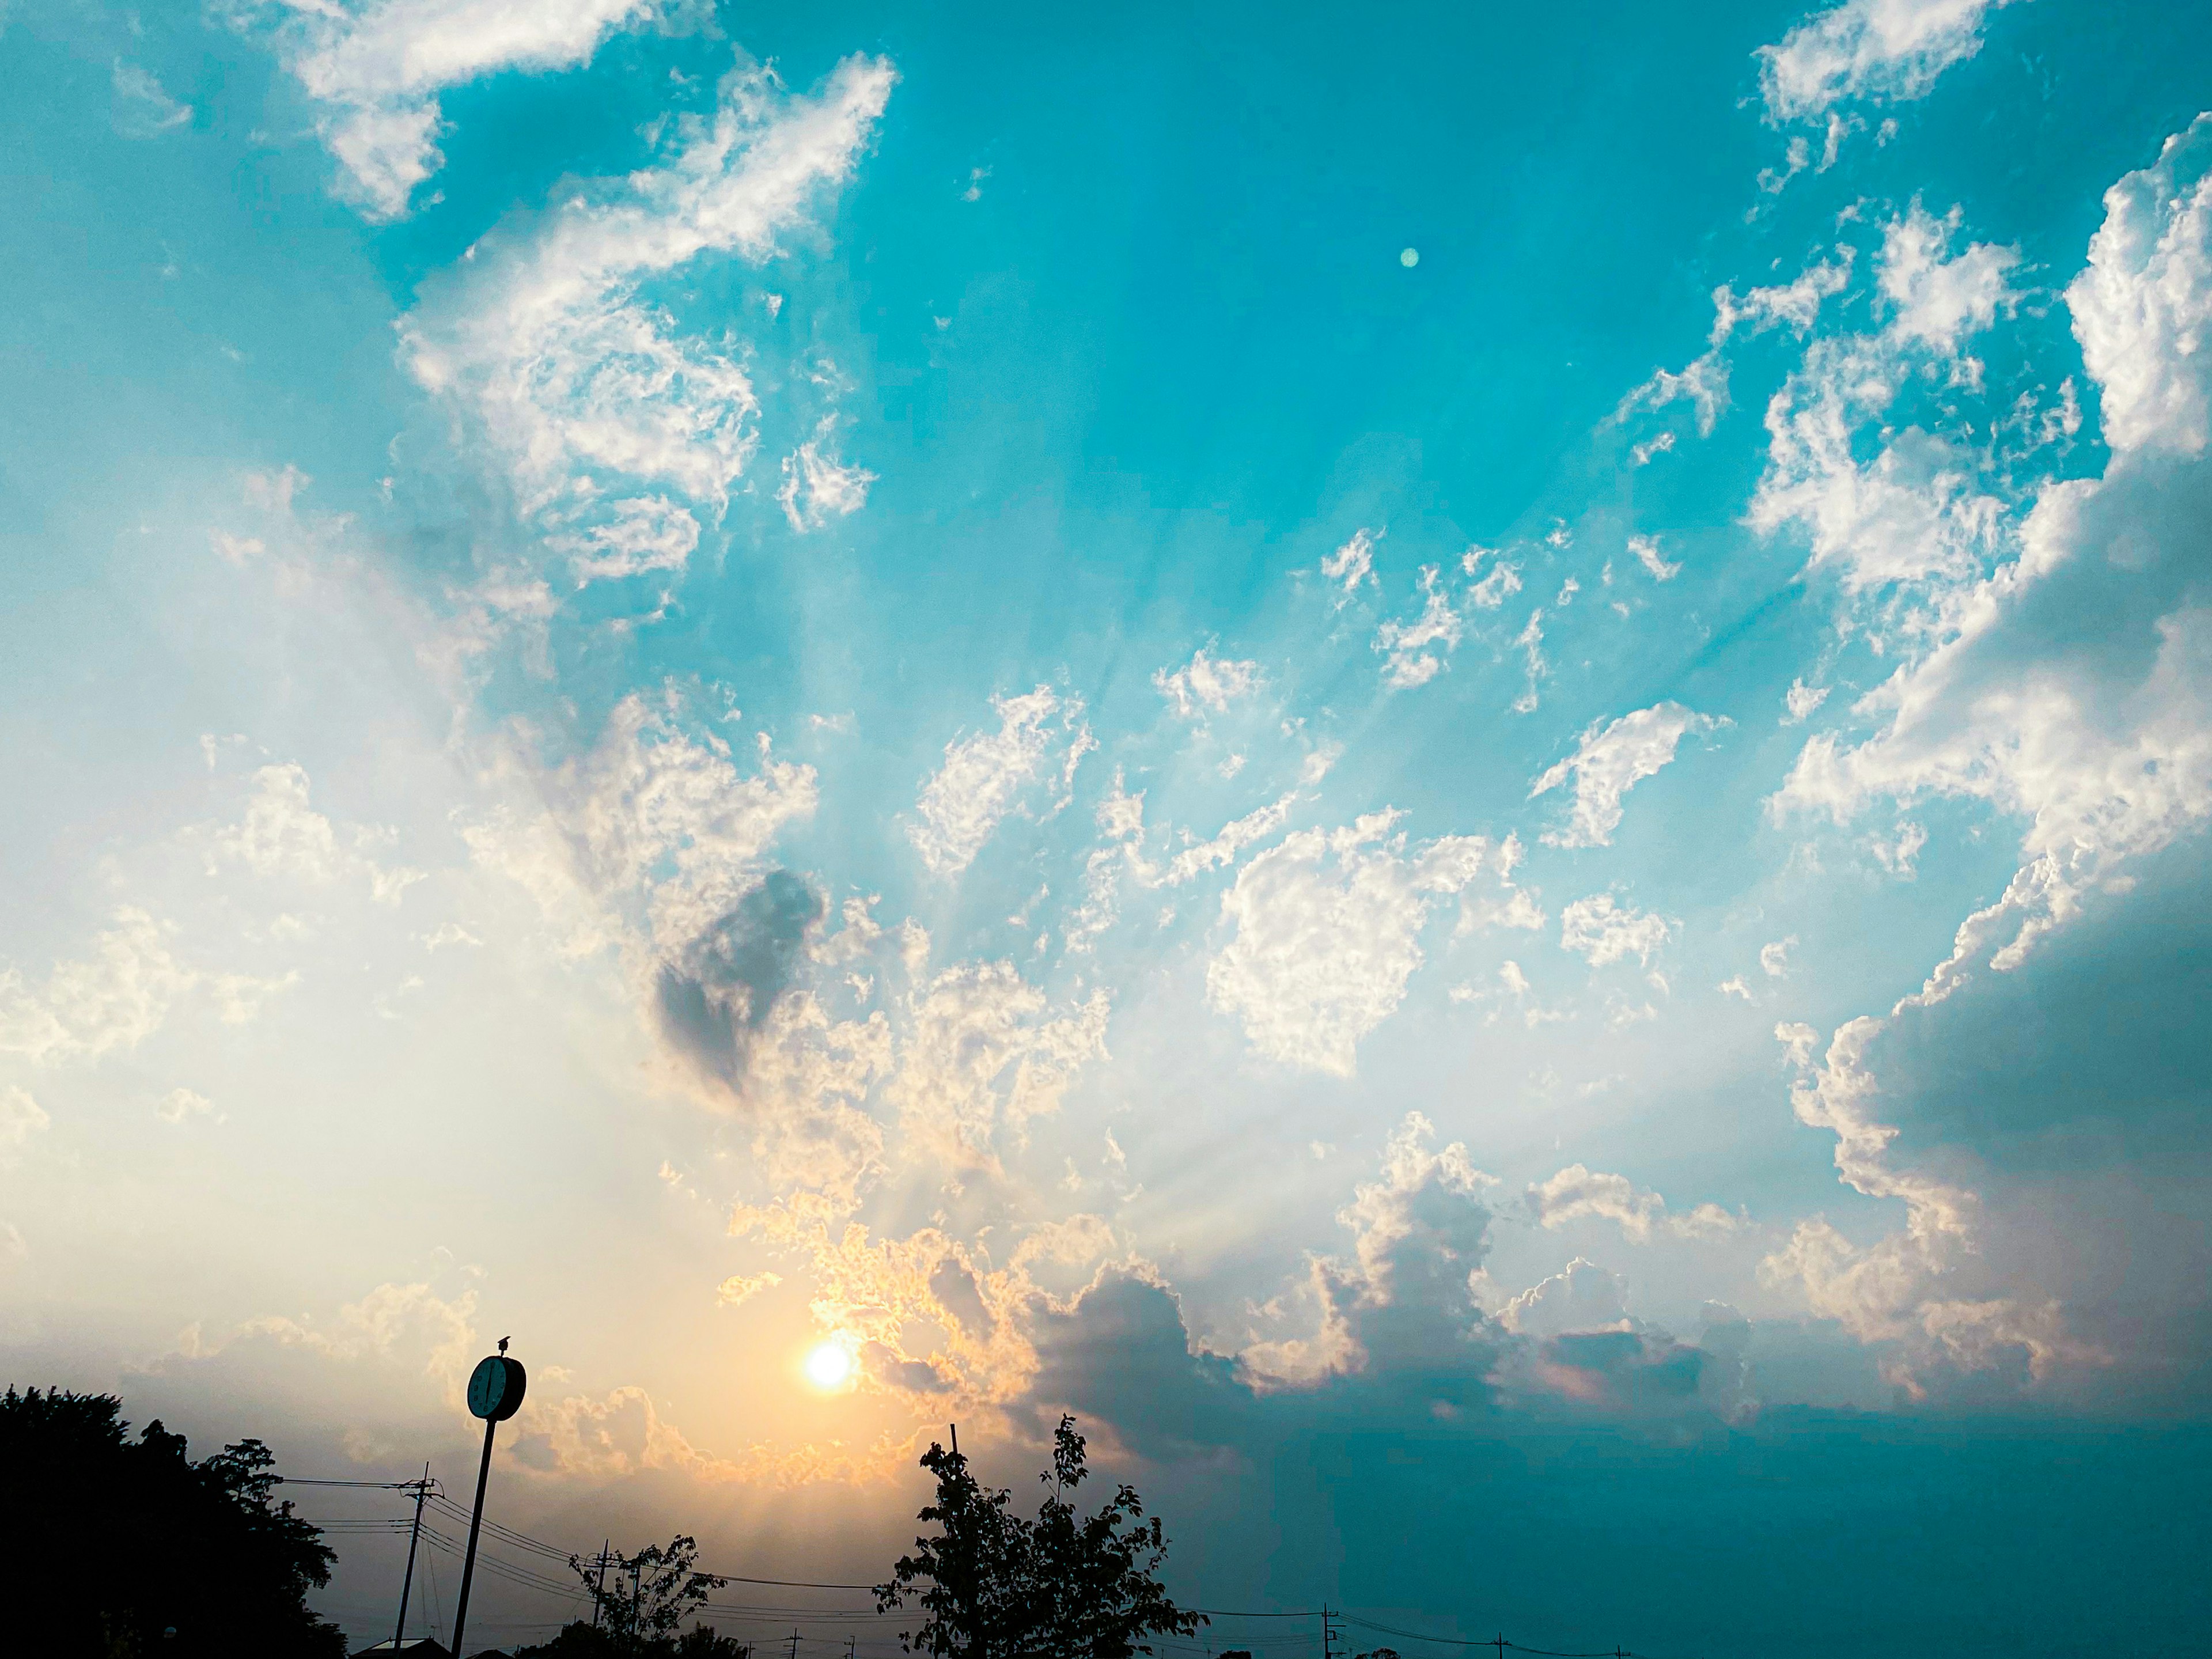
(1452, 761)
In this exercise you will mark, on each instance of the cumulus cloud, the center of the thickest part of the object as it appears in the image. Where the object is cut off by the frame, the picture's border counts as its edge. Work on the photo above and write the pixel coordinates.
(1611, 759)
(1351, 563)
(2103, 754)
(113, 1000)
(1801, 700)
(1582, 1296)
(642, 534)
(933, 1323)
(376, 67)
(1207, 684)
(650, 837)
(1325, 932)
(1646, 549)
(1703, 383)
(1935, 299)
(1577, 1193)
(985, 777)
(180, 1104)
(565, 366)
(1926, 1290)
(1419, 1232)
(280, 834)
(716, 994)
(1490, 592)
(1415, 649)
(1601, 931)
(21, 1118)
(1913, 513)
(981, 1050)
(1878, 50)
(818, 487)
(2143, 307)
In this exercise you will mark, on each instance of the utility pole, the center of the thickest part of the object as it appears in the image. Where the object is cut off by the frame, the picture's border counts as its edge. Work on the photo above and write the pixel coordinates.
(794, 1644)
(407, 1584)
(1328, 1636)
(1497, 1642)
(600, 1593)
(494, 1395)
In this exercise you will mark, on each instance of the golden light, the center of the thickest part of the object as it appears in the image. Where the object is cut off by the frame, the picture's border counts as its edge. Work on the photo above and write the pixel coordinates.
(830, 1366)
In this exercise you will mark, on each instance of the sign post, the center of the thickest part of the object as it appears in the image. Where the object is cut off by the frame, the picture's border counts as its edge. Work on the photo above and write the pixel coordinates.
(494, 1395)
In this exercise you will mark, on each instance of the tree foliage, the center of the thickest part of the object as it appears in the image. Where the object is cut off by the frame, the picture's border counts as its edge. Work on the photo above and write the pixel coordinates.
(644, 1600)
(119, 1542)
(994, 1585)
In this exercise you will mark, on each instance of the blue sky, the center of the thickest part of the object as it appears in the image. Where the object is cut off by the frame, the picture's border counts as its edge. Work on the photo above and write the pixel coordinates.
(1451, 761)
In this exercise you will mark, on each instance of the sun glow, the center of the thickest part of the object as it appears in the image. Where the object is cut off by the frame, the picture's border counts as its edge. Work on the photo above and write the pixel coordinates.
(830, 1366)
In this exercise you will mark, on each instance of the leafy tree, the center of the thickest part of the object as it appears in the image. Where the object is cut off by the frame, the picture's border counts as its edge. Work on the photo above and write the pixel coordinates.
(642, 1604)
(582, 1641)
(126, 1549)
(1065, 1586)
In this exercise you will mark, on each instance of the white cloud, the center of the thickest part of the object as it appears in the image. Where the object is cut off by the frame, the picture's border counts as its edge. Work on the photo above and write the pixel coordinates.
(1325, 934)
(1794, 304)
(1420, 1234)
(1494, 590)
(1351, 563)
(1900, 855)
(1415, 649)
(577, 379)
(1774, 957)
(642, 534)
(1913, 513)
(115, 999)
(1233, 839)
(2142, 307)
(818, 488)
(21, 1118)
(1646, 549)
(180, 1104)
(1582, 1296)
(1576, 1193)
(1912, 1288)
(1801, 700)
(654, 823)
(985, 777)
(2107, 756)
(1704, 381)
(1530, 642)
(1735, 988)
(1609, 763)
(1602, 932)
(1935, 300)
(143, 108)
(377, 66)
(981, 1050)
(1891, 49)
(1207, 682)
(281, 834)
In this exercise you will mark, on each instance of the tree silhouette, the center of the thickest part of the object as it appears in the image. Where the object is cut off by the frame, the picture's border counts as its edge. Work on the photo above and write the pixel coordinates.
(640, 1606)
(1065, 1586)
(126, 1548)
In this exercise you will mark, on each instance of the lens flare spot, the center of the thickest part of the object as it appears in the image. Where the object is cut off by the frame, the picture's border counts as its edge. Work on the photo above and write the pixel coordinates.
(830, 1366)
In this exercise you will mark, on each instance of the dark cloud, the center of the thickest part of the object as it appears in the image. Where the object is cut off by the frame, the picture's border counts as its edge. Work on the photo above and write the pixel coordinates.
(714, 999)
(1578, 1524)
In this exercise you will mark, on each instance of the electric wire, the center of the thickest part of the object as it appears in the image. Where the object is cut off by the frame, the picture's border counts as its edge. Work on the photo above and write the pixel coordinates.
(524, 1576)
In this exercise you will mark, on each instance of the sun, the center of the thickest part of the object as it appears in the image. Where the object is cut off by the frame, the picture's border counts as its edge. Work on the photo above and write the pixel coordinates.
(830, 1366)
